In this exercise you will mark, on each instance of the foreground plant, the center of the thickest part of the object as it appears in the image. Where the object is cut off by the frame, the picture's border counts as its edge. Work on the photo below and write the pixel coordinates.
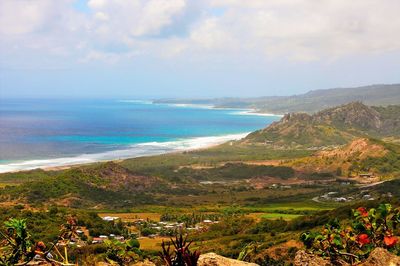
(15, 244)
(181, 256)
(122, 253)
(376, 227)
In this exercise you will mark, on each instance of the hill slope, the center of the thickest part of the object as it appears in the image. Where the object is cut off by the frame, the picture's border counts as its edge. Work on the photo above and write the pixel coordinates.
(99, 184)
(359, 156)
(333, 126)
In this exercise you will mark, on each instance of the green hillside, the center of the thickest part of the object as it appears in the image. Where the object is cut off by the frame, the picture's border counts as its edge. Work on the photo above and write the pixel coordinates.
(333, 126)
(262, 192)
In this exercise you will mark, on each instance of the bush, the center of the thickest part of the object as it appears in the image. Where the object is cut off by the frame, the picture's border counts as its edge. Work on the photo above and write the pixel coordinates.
(376, 227)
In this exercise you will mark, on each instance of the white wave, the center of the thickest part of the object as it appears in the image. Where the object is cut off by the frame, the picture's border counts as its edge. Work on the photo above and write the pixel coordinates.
(136, 150)
(254, 112)
(189, 105)
(184, 105)
(237, 111)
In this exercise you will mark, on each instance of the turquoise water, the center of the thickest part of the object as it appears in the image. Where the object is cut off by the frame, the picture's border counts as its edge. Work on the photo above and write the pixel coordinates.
(57, 129)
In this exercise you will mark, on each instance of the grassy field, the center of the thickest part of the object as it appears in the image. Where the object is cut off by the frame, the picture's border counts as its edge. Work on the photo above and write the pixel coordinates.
(284, 216)
(152, 244)
(288, 211)
(4, 184)
(272, 216)
(287, 207)
(212, 157)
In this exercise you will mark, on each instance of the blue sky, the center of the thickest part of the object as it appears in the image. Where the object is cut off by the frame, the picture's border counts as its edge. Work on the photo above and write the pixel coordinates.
(202, 48)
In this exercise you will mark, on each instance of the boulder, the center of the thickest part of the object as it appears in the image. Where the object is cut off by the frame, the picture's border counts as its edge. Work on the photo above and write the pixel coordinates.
(306, 259)
(378, 257)
(381, 257)
(212, 259)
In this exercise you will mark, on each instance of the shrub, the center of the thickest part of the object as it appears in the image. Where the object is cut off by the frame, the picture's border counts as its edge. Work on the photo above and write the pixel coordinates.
(376, 227)
(122, 253)
(17, 242)
(181, 256)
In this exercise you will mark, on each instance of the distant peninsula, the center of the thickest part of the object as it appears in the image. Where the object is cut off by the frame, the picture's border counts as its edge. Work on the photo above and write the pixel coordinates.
(310, 102)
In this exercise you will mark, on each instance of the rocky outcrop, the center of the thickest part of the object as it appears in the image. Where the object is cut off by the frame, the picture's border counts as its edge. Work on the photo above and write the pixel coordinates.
(378, 257)
(306, 259)
(207, 259)
(382, 257)
(212, 259)
(333, 126)
(355, 115)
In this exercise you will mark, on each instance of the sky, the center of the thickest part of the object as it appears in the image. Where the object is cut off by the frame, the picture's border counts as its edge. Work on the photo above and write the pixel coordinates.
(195, 48)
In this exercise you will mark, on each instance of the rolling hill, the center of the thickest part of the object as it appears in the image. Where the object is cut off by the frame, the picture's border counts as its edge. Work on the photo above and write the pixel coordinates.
(333, 126)
(98, 184)
(359, 156)
(212, 175)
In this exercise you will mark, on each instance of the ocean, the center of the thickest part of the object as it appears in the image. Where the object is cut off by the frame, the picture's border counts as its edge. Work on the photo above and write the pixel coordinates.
(37, 133)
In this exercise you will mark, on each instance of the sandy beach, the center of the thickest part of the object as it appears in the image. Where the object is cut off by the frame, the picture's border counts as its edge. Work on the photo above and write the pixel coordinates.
(135, 151)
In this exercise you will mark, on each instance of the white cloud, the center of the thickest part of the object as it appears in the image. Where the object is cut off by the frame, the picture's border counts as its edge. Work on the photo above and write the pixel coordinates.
(300, 30)
(97, 4)
(136, 18)
(21, 17)
(310, 30)
(157, 14)
(211, 34)
(101, 16)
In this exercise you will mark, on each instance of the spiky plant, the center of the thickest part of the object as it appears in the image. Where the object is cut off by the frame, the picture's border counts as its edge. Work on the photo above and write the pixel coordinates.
(181, 255)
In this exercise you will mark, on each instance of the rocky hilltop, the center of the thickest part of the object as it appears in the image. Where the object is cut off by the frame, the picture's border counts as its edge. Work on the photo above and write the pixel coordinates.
(353, 115)
(333, 126)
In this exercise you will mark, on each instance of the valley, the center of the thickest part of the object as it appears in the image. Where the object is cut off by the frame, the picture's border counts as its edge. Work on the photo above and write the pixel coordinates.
(262, 191)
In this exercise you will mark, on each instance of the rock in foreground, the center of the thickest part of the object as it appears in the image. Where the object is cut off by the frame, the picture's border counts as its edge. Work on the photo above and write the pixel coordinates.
(378, 257)
(212, 259)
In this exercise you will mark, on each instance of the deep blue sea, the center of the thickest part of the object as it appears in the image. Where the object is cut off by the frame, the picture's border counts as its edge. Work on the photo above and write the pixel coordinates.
(44, 133)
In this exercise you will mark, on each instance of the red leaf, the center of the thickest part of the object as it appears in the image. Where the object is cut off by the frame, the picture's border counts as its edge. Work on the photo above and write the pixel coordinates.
(390, 241)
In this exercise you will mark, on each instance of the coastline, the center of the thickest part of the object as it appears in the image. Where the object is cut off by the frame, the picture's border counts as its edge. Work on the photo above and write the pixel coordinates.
(139, 149)
(236, 111)
(133, 151)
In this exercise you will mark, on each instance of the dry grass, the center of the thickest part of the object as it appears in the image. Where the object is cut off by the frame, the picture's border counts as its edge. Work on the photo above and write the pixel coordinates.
(153, 244)
(4, 184)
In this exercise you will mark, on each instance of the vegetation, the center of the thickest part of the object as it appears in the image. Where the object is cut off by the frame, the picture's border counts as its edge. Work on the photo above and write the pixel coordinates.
(122, 253)
(333, 126)
(389, 164)
(45, 225)
(236, 171)
(181, 256)
(258, 194)
(17, 246)
(113, 185)
(16, 242)
(376, 227)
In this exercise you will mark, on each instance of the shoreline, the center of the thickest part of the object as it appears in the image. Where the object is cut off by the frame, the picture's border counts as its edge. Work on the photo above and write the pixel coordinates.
(140, 149)
(133, 151)
(236, 111)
